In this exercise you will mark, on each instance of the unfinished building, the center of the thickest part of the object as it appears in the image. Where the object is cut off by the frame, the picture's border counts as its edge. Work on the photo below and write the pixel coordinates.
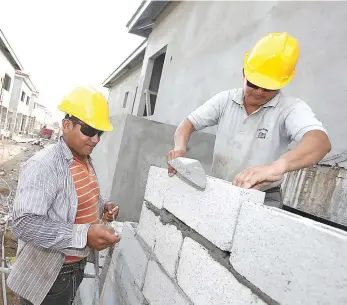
(192, 50)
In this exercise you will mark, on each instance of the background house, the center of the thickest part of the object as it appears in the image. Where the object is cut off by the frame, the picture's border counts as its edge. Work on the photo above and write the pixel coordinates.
(9, 64)
(23, 98)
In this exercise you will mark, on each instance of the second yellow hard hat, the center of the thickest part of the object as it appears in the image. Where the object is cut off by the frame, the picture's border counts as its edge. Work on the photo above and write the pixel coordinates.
(272, 61)
(88, 105)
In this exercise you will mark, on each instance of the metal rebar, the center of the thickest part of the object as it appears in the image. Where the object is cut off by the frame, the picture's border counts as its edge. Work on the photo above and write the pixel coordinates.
(96, 278)
(5, 270)
(3, 275)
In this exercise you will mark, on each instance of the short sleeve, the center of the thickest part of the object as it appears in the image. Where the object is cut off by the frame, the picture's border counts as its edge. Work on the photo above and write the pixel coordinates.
(209, 113)
(301, 120)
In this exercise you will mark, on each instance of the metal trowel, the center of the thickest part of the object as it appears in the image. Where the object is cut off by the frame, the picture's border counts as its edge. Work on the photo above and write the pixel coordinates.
(191, 170)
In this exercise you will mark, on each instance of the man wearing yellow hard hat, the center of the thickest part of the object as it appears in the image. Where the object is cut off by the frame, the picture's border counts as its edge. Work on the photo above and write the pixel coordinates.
(256, 123)
(58, 207)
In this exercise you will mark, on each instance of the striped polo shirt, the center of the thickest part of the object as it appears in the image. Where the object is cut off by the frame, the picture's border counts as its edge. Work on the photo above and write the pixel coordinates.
(88, 192)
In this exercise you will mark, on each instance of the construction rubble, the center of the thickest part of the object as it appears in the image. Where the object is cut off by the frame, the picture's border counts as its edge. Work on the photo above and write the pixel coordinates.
(13, 153)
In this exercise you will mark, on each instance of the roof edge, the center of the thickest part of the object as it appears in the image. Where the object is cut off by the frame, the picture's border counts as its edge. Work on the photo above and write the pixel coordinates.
(7, 45)
(28, 80)
(118, 71)
(142, 22)
(137, 12)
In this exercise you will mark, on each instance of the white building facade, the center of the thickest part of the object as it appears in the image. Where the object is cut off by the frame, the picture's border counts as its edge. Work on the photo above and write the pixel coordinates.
(23, 98)
(42, 117)
(9, 64)
(18, 94)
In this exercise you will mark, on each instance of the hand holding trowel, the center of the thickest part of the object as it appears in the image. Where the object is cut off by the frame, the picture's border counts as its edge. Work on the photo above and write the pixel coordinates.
(190, 170)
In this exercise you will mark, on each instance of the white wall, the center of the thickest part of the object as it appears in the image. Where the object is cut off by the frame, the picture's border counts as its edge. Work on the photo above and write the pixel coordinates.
(6, 67)
(206, 42)
(126, 83)
(32, 103)
(223, 246)
(22, 106)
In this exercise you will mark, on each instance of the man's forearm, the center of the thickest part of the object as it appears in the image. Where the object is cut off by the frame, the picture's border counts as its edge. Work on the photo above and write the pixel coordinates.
(41, 231)
(309, 151)
(182, 135)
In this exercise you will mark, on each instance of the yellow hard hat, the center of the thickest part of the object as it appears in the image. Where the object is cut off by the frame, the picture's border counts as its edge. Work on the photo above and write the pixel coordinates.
(88, 105)
(271, 63)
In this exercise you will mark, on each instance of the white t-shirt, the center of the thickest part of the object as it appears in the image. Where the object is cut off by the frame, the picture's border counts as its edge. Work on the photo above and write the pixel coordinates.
(260, 138)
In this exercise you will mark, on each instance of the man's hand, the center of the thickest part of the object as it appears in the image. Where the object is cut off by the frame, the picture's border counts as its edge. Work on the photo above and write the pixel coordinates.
(111, 211)
(260, 176)
(101, 237)
(173, 154)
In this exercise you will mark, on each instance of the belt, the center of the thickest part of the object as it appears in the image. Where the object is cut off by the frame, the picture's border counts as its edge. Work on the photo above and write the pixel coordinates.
(74, 267)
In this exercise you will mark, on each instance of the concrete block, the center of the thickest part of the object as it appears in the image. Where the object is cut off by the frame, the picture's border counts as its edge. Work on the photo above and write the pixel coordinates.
(166, 238)
(168, 245)
(135, 257)
(292, 259)
(205, 281)
(157, 180)
(213, 212)
(159, 289)
(148, 226)
(113, 291)
(133, 294)
(117, 262)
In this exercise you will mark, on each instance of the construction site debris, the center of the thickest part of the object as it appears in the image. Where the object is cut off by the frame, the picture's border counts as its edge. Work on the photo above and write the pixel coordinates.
(12, 155)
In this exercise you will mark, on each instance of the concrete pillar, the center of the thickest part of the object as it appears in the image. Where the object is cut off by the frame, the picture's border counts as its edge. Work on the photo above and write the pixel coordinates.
(13, 123)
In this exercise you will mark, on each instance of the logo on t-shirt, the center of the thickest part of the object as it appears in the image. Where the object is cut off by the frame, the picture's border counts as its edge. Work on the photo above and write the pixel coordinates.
(262, 133)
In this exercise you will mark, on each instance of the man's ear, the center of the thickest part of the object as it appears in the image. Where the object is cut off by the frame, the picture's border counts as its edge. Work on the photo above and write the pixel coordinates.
(67, 126)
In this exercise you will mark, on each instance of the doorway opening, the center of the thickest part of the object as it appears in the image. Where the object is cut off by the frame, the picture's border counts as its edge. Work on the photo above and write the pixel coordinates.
(152, 92)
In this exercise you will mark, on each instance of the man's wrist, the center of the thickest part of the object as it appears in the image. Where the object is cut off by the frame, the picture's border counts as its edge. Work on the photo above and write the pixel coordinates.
(180, 148)
(282, 164)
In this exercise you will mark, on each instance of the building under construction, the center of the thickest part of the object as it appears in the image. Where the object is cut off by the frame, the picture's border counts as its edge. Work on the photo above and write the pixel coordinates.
(18, 94)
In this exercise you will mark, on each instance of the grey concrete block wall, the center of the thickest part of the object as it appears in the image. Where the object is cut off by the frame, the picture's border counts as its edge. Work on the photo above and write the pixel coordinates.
(212, 212)
(205, 281)
(159, 289)
(123, 158)
(275, 257)
(292, 259)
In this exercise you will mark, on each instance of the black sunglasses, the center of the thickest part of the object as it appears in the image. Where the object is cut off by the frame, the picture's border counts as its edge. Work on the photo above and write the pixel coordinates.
(249, 84)
(90, 131)
(86, 129)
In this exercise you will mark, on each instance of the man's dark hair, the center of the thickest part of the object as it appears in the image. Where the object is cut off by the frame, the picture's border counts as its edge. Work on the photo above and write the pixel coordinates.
(73, 119)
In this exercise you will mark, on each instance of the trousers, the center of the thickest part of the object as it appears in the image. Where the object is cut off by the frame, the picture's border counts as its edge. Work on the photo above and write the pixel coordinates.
(64, 288)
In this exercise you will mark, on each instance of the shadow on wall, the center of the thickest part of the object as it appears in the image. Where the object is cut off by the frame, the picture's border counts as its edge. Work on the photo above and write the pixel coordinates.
(123, 158)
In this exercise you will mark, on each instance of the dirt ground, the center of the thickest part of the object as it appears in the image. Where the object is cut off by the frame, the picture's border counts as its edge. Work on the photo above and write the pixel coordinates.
(10, 251)
(12, 155)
